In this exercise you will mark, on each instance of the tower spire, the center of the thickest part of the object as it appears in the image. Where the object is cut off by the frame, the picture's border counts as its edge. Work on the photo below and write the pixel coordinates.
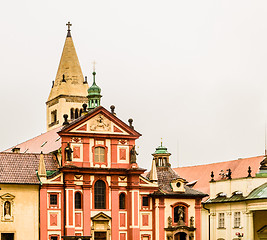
(69, 90)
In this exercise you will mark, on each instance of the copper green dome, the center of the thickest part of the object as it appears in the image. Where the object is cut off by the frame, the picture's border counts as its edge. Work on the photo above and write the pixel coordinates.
(161, 150)
(94, 95)
(94, 89)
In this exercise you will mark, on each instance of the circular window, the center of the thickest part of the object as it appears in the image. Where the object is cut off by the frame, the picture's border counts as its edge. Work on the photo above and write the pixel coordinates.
(178, 184)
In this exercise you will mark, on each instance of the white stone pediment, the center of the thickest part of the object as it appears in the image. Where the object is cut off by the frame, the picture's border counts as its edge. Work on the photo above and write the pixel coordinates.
(99, 124)
(7, 196)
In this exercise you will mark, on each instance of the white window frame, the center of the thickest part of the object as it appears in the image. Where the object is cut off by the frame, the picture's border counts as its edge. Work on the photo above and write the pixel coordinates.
(221, 220)
(237, 219)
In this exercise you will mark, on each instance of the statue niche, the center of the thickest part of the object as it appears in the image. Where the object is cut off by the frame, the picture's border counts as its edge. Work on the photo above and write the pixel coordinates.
(7, 203)
(7, 209)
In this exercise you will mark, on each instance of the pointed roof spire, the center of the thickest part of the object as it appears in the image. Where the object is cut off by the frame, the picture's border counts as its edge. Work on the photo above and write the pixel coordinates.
(153, 177)
(69, 79)
(41, 168)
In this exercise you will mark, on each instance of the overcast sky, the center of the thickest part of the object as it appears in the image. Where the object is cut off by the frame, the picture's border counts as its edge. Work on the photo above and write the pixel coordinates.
(191, 72)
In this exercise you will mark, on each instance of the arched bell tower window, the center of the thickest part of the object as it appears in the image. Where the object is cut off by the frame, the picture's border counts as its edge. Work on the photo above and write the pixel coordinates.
(78, 200)
(100, 194)
(81, 111)
(122, 200)
(72, 113)
(76, 113)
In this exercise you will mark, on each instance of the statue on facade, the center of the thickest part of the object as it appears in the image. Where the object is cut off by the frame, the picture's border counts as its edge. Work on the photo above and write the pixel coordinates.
(133, 154)
(169, 221)
(192, 222)
(7, 207)
(169, 237)
(68, 152)
(181, 216)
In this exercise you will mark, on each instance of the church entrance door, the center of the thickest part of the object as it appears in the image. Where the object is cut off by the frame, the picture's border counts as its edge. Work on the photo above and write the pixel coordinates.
(100, 236)
(180, 236)
(7, 236)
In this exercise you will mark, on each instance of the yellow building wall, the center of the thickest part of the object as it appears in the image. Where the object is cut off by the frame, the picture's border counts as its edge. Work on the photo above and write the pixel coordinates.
(25, 211)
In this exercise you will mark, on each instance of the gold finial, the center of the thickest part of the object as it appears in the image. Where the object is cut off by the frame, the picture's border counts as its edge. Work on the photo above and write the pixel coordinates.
(161, 142)
(94, 63)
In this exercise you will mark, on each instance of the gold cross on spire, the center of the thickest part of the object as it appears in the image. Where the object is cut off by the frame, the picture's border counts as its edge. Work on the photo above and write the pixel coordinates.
(94, 63)
(69, 25)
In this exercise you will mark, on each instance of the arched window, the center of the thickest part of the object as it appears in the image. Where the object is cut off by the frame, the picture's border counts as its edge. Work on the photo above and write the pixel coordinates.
(100, 154)
(122, 200)
(100, 194)
(78, 200)
(76, 113)
(72, 113)
(81, 111)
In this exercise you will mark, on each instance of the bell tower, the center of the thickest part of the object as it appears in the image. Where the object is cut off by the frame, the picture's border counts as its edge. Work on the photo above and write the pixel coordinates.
(69, 90)
(94, 95)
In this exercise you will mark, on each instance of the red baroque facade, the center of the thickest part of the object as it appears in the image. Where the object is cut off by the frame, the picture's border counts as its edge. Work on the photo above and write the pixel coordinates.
(99, 192)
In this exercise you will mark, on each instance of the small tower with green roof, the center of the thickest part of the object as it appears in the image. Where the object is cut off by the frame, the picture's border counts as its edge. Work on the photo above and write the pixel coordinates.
(94, 95)
(161, 156)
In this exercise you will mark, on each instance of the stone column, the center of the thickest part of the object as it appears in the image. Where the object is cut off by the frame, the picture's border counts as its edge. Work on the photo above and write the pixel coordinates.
(249, 234)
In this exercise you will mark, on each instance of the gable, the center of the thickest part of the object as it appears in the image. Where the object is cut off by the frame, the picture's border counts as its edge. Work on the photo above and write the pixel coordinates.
(99, 121)
(99, 124)
(101, 217)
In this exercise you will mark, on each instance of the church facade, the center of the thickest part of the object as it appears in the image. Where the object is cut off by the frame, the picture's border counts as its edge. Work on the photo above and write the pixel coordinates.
(96, 189)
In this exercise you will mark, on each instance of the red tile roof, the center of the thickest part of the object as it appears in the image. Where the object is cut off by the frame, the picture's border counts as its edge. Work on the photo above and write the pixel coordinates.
(21, 168)
(165, 176)
(201, 173)
(46, 142)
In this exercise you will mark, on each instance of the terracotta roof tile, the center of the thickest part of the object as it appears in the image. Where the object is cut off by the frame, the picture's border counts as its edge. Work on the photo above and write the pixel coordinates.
(21, 168)
(46, 142)
(201, 173)
(165, 176)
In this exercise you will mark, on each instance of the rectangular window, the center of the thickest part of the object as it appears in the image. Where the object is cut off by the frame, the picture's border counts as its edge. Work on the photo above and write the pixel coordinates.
(237, 219)
(100, 154)
(54, 238)
(53, 199)
(7, 236)
(145, 201)
(221, 220)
